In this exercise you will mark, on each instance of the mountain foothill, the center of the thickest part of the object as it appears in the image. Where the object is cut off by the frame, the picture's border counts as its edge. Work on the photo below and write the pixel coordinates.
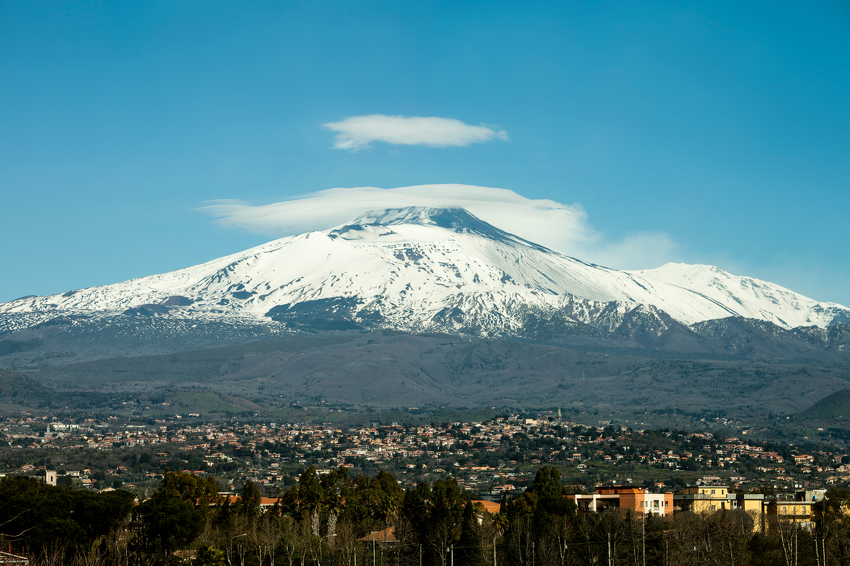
(418, 306)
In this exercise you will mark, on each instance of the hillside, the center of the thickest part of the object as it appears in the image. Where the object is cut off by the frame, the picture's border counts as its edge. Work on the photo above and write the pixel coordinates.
(834, 406)
(20, 390)
(399, 370)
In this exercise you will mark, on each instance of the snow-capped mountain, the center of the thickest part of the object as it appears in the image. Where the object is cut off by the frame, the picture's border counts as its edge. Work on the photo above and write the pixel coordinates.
(429, 269)
(748, 297)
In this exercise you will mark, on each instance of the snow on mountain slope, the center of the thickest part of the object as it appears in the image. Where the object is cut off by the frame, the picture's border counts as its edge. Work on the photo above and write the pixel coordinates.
(748, 297)
(413, 268)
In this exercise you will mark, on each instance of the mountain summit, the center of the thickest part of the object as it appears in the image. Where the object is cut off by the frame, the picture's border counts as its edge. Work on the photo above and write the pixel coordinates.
(426, 269)
(455, 219)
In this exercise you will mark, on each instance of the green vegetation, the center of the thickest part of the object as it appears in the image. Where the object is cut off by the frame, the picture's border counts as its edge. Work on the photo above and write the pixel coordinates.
(333, 518)
(40, 518)
(384, 371)
(835, 406)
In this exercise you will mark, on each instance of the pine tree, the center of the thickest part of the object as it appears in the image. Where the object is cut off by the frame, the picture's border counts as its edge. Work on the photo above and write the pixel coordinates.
(470, 546)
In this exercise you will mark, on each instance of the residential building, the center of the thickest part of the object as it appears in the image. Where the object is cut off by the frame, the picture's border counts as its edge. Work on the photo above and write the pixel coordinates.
(636, 499)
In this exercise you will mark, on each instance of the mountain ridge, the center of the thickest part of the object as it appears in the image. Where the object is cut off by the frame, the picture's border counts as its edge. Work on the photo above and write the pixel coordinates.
(424, 305)
(419, 269)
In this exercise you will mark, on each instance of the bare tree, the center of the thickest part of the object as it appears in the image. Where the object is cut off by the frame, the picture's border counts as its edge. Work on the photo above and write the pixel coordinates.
(51, 555)
(730, 530)
(266, 534)
(290, 540)
(788, 535)
(521, 541)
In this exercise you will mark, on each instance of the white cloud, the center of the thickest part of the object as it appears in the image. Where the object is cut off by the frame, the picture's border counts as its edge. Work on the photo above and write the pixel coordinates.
(358, 132)
(562, 227)
(642, 250)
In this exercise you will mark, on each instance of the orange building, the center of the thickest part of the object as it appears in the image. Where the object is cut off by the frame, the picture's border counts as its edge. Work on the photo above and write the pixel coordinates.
(489, 506)
(635, 499)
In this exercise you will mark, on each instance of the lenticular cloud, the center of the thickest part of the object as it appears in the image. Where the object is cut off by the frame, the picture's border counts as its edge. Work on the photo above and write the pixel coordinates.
(535, 219)
(358, 132)
(561, 227)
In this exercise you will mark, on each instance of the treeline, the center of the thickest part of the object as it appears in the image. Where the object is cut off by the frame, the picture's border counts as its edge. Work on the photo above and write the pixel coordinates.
(335, 519)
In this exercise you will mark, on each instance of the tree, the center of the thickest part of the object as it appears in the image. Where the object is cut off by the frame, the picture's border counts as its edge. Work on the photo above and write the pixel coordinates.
(434, 514)
(541, 522)
(310, 497)
(470, 543)
(202, 492)
(250, 500)
(169, 523)
(444, 517)
(175, 514)
(832, 528)
(266, 534)
(46, 518)
(208, 556)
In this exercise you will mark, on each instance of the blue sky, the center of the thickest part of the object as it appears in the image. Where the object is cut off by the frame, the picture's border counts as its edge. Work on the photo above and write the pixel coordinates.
(698, 132)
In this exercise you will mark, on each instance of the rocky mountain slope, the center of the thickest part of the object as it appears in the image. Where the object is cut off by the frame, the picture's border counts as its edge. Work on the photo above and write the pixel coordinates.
(424, 269)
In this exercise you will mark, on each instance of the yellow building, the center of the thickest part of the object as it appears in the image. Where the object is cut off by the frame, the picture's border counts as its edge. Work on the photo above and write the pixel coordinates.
(754, 505)
(702, 499)
(750, 502)
(799, 509)
(790, 510)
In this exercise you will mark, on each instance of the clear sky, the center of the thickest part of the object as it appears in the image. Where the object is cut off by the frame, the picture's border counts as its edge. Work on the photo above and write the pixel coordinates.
(702, 132)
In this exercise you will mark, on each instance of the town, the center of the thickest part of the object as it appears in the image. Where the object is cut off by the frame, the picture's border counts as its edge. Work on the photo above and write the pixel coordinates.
(490, 458)
(494, 465)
